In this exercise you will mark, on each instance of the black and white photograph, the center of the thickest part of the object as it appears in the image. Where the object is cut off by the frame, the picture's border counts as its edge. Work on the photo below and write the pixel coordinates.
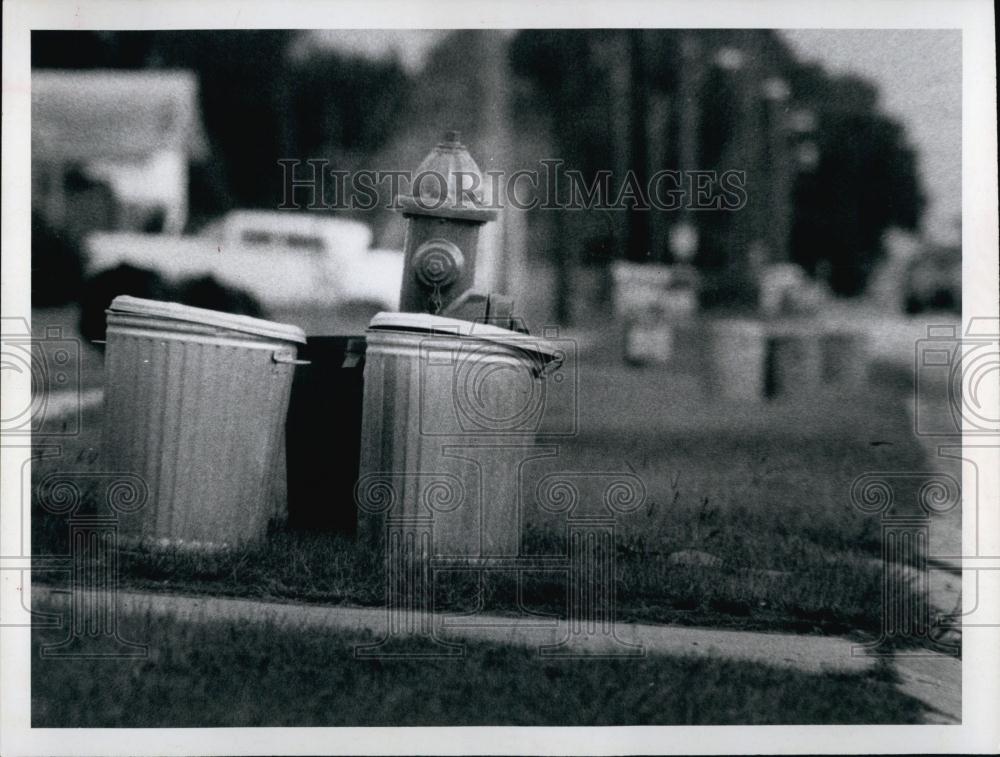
(390, 378)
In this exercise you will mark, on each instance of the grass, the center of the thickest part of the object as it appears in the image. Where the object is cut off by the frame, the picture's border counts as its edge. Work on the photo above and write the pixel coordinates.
(222, 673)
(759, 498)
(325, 569)
(762, 492)
(836, 596)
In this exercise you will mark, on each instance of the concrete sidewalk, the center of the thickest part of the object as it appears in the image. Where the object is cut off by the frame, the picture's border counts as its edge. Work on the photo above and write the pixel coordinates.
(931, 678)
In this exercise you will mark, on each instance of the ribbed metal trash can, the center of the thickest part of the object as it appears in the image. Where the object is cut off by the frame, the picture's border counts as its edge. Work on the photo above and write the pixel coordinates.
(794, 360)
(735, 359)
(195, 403)
(845, 359)
(446, 405)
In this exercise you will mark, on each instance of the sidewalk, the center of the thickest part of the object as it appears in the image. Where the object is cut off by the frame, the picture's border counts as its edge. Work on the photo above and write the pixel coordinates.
(933, 679)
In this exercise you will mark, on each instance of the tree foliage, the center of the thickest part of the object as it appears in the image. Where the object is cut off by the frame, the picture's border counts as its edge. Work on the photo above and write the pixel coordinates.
(864, 183)
(259, 104)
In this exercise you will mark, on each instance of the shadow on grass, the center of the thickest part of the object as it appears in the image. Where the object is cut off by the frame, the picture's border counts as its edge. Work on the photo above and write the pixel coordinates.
(826, 593)
(220, 674)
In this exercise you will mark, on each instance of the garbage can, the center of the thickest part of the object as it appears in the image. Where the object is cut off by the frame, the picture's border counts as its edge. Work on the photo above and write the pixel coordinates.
(845, 359)
(195, 403)
(326, 403)
(794, 360)
(735, 359)
(451, 410)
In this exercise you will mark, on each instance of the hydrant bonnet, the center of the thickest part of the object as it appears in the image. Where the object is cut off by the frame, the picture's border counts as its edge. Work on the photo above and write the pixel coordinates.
(447, 184)
(444, 212)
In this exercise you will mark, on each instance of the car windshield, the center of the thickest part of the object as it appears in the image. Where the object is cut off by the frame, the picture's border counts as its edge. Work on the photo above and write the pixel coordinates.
(293, 242)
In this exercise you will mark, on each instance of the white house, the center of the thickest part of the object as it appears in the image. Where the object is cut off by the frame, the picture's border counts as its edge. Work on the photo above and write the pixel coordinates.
(134, 132)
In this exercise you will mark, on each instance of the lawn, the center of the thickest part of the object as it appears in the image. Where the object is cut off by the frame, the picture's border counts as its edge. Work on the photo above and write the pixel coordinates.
(747, 523)
(226, 674)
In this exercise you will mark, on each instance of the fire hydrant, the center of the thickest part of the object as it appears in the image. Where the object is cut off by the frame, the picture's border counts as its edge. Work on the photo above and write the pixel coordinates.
(447, 381)
(445, 212)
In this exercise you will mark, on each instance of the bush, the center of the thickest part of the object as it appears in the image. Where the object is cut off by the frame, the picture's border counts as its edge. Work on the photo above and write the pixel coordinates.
(56, 265)
(101, 289)
(207, 292)
(202, 292)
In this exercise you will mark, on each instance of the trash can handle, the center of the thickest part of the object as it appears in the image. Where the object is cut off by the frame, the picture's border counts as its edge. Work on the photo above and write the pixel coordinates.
(280, 358)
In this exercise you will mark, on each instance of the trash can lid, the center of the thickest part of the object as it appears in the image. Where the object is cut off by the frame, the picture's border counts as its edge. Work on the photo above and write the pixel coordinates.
(436, 325)
(127, 305)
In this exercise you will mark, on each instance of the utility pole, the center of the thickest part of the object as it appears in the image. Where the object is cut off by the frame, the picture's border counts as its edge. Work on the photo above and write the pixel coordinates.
(615, 58)
(684, 237)
(746, 226)
(638, 220)
(503, 246)
(776, 94)
(658, 129)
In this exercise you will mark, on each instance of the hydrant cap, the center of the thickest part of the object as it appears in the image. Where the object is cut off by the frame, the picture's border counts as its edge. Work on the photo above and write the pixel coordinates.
(447, 184)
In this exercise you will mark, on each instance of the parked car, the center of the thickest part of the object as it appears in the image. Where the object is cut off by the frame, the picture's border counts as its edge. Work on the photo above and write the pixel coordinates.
(933, 280)
(280, 259)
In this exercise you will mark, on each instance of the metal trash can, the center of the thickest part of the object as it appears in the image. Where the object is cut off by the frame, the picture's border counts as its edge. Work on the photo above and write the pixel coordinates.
(846, 355)
(195, 403)
(735, 359)
(441, 398)
(794, 360)
(326, 399)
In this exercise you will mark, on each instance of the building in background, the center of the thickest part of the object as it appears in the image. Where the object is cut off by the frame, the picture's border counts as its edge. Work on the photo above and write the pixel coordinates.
(112, 149)
(826, 171)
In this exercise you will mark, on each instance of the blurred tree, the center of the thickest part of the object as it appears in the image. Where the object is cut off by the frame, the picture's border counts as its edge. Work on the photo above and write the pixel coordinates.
(260, 104)
(572, 85)
(242, 85)
(865, 182)
(91, 49)
(56, 264)
(345, 107)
